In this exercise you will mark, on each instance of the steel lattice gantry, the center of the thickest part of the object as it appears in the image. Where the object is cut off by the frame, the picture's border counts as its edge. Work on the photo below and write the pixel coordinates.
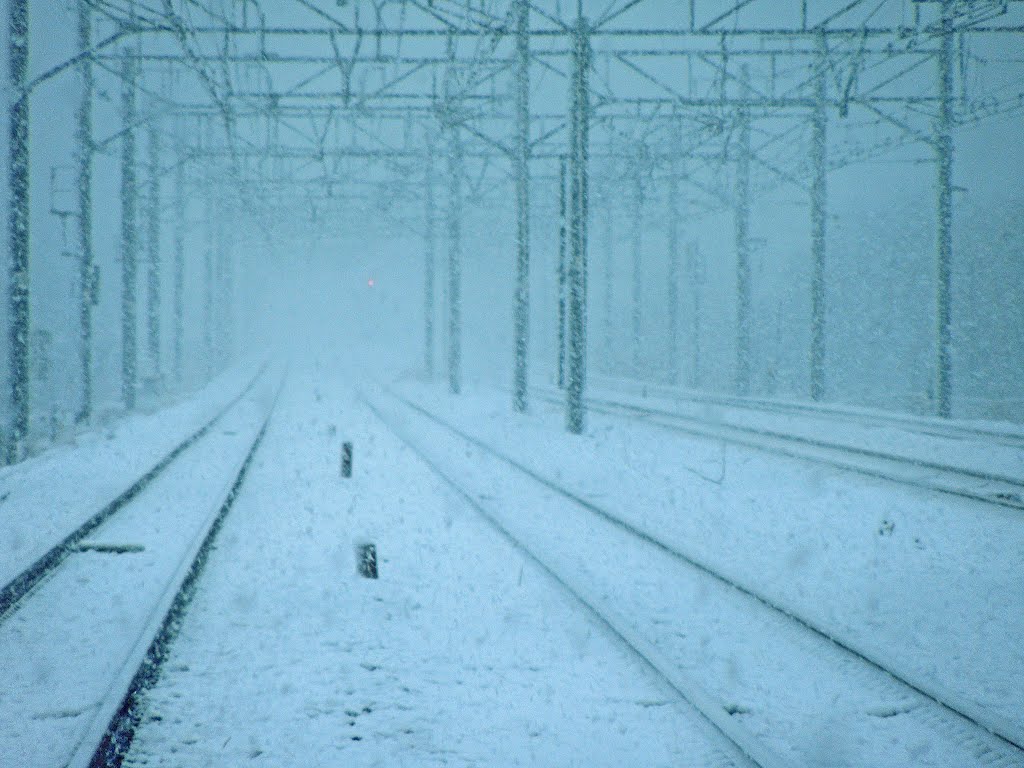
(218, 86)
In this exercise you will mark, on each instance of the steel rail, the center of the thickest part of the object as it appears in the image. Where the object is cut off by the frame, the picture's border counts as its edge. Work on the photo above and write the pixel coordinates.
(107, 741)
(24, 583)
(922, 424)
(803, 448)
(1009, 733)
(702, 703)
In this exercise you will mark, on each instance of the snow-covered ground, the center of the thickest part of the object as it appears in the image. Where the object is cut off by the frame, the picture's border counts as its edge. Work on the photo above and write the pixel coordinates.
(75, 642)
(467, 651)
(928, 582)
(462, 653)
(982, 447)
(46, 498)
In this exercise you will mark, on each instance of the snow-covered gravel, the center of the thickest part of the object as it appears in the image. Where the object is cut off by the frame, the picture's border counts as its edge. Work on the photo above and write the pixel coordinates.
(810, 702)
(465, 652)
(928, 582)
(462, 653)
(47, 497)
(73, 644)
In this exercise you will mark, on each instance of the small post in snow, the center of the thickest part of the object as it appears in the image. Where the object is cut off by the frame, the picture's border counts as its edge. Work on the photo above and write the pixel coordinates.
(366, 560)
(346, 459)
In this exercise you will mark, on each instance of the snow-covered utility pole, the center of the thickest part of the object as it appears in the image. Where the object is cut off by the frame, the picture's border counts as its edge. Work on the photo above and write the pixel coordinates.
(428, 259)
(83, 156)
(153, 293)
(220, 289)
(18, 229)
(672, 216)
(563, 246)
(521, 148)
(638, 256)
(743, 304)
(819, 202)
(943, 141)
(178, 295)
(608, 217)
(129, 241)
(230, 290)
(579, 140)
(695, 268)
(208, 286)
(226, 281)
(455, 162)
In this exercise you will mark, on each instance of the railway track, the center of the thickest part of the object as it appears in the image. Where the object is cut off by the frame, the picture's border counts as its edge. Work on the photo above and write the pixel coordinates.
(992, 740)
(922, 424)
(737, 748)
(99, 618)
(995, 488)
(21, 585)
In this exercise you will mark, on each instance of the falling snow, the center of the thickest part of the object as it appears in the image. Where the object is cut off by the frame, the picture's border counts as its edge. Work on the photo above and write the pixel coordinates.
(667, 357)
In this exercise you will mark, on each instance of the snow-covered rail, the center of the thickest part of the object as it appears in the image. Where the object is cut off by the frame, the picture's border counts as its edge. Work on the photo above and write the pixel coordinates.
(946, 468)
(930, 425)
(127, 585)
(22, 584)
(861, 675)
(735, 747)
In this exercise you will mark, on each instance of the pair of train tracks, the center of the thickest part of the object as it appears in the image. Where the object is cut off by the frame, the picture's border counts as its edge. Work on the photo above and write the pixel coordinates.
(929, 425)
(994, 487)
(17, 588)
(988, 739)
(85, 628)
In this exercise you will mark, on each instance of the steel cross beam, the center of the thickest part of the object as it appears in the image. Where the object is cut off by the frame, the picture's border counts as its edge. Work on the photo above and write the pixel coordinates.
(927, 41)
